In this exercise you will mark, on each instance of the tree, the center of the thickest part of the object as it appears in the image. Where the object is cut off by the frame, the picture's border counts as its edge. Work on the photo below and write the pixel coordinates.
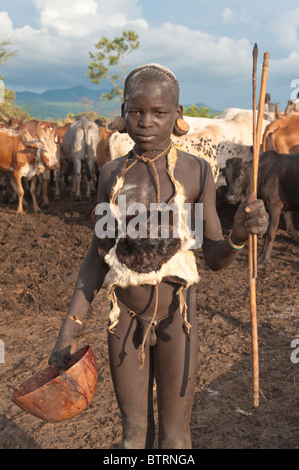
(111, 55)
(7, 105)
(195, 111)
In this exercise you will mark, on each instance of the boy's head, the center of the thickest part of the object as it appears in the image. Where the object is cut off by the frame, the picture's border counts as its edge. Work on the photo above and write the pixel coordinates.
(152, 73)
(150, 108)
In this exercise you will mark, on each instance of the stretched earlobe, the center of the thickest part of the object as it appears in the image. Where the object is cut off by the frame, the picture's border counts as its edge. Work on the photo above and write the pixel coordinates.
(181, 127)
(119, 124)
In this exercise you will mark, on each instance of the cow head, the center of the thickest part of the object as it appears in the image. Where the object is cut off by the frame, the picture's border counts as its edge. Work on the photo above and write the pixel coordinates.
(47, 134)
(28, 149)
(237, 176)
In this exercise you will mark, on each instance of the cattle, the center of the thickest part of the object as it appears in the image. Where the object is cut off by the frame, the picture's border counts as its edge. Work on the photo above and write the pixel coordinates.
(24, 156)
(209, 144)
(11, 122)
(47, 133)
(278, 187)
(237, 128)
(116, 144)
(230, 113)
(292, 107)
(197, 123)
(79, 145)
(282, 135)
(103, 151)
(44, 178)
(227, 150)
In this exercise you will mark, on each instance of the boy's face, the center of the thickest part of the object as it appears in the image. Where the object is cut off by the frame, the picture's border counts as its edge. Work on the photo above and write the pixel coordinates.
(150, 114)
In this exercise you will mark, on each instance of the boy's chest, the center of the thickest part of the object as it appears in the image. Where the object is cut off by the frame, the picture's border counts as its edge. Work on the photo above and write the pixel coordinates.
(145, 184)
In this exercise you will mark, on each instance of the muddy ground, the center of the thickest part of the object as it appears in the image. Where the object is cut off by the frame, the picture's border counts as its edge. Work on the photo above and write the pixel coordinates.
(40, 256)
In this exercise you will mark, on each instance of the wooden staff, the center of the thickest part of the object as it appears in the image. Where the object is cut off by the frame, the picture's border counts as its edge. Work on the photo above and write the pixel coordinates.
(257, 131)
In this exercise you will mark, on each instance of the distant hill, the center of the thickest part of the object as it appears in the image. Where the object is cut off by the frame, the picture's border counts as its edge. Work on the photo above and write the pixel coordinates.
(56, 104)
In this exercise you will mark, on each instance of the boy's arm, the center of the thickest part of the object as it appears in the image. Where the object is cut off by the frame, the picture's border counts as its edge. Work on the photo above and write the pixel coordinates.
(89, 281)
(249, 218)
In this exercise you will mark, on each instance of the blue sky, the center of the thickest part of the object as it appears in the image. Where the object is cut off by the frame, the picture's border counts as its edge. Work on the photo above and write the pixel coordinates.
(207, 44)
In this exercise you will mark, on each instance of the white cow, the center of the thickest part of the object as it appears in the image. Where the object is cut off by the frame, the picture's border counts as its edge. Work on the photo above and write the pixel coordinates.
(237, 129)
(79, 145)
(121, 144)
(197, 123)
(215, 142)
(230, 113)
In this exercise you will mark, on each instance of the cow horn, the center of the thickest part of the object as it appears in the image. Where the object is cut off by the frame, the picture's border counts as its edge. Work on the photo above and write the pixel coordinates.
(277, 111)
(26, 141)
(37, 129)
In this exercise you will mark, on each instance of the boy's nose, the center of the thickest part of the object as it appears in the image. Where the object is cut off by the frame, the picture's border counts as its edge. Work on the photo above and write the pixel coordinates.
(146, 120)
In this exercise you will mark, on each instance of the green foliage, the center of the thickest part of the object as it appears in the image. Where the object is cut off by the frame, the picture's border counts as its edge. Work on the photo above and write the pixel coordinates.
(8, 108)
(5, 55)
(198, 111)
(111, 54)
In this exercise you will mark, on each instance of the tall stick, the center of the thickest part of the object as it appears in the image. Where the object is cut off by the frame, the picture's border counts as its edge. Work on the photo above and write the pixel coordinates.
(257, 131)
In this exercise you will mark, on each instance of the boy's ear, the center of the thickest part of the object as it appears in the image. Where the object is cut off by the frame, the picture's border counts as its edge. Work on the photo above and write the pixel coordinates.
(180, 127)
(119, 122)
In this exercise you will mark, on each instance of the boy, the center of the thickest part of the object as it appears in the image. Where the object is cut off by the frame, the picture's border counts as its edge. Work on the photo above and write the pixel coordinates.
(152, 324)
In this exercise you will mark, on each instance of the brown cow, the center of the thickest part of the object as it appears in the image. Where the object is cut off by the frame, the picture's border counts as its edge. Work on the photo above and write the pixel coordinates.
(47, 133)
(103, 148)
(282, 135)
(25, 156)
(45, 176)
(11, 122)
(292, 107)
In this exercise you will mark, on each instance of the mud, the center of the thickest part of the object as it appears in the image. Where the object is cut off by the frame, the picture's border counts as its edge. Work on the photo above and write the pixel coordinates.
(40, 256)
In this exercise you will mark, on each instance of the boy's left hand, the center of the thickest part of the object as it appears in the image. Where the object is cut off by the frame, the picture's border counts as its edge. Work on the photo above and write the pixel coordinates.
(250, 218)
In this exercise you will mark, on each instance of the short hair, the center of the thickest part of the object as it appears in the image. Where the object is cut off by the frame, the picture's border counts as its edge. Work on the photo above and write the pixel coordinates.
(152, 73)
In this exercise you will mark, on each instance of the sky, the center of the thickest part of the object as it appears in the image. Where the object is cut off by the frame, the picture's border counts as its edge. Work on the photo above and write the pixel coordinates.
(208, 44)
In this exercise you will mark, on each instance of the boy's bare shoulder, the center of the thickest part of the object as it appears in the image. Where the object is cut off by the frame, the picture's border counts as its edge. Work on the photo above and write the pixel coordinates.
(111, 168)
(192, 161)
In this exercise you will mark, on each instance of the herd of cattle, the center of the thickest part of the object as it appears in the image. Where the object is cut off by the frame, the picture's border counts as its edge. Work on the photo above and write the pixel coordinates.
(31, 150)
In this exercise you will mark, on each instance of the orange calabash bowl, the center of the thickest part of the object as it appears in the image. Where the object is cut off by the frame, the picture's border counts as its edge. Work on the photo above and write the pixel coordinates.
(53, 395)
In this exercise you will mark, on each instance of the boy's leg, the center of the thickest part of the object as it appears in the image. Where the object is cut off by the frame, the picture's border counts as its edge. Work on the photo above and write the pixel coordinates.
(133, 386)
(175, 364)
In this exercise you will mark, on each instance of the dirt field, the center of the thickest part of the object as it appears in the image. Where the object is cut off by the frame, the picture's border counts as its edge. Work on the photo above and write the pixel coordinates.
(40, 257)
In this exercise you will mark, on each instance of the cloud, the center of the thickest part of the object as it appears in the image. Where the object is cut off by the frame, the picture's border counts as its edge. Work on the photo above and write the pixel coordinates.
(227, 15)
(6, 27)
(70, 28)
(285, 28)
(68, 17)
(54, 53)
(196, 52)
(74, 18)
